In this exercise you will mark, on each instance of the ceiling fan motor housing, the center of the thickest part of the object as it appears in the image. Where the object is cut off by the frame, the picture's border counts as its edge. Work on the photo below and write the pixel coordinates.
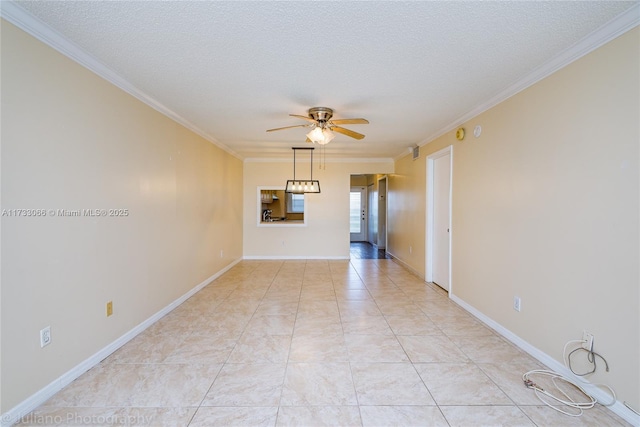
(321, 114)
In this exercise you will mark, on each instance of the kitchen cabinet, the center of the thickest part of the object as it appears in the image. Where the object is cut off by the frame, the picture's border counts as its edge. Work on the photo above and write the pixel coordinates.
(268, 196)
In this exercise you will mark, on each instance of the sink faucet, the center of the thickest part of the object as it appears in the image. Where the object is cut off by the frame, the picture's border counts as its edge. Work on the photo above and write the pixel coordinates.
(266, 215)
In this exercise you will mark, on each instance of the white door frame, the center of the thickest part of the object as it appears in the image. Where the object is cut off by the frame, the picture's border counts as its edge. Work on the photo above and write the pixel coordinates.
(429, 226)
(380, 223)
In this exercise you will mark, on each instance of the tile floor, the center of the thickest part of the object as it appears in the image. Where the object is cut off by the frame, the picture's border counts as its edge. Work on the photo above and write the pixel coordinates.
(365, 250)
(311, 343)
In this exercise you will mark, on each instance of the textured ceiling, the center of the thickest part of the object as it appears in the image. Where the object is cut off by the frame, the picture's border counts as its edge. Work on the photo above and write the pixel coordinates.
(234, 69)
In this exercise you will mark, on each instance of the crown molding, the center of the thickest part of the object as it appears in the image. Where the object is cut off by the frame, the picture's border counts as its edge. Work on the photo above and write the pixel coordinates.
(32, 25)
(619, 25)
(14, 14)
(328, 160)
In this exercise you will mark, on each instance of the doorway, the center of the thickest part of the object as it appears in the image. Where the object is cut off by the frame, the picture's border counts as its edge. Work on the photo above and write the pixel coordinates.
(382, 213)
(438, 262)
(358, 214)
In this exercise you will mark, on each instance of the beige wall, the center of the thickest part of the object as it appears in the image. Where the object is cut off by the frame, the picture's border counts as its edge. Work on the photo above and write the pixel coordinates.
(71, 140)
(326, 234)
(359, 180)
(546, 207)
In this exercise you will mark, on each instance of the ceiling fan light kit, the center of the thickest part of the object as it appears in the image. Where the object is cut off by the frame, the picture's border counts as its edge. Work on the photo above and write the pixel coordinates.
(323, 127)
(320, 135)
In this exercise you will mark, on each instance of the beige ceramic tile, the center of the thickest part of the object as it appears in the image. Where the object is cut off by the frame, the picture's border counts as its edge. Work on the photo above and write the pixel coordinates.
(441, 308)
(103, 385)
(96, 417)
(318, 308)
(277, 307)
(389, 384)
(431, 348)
(261, 349)
(509, 378)
(171, 385)
(358, 308)
(461, 384)
(247, 385)
(158, 417)
(375, 348)
(197, 305)
(240, 305)
(330, 416)
(490, 349)
(365, 325)
(348, 283)
(235, 417)
(172, 324)
(202, 349)
(318, 384)
(147, 348)
(399, 308)
(353, 294)
(473, 416)
(271, 325)
(327, 295)
(221, 324)
(412, 325)
(463, 326)
(405, 416)
(311, 338)
(318, 348)
(546, 416)
(49, 417)
(318, 325)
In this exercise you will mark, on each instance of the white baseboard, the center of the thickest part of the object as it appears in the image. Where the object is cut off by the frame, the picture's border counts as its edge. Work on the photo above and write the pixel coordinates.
(281, 257)
(405, 265)
(26, 406)
(618, 407)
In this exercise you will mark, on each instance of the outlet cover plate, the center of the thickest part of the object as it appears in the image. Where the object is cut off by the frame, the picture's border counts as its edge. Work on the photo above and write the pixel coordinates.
(587, 339)
(45, 336)
(517, 303)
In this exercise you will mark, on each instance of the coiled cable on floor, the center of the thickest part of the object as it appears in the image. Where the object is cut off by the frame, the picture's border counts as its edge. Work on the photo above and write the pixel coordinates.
(566, 400)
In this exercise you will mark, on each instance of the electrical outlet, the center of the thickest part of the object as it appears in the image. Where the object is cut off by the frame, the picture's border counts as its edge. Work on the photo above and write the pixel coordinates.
(221, 253)
(517, 303)
(109, 308)
(410, 249)
(45, 336)
(587, 339)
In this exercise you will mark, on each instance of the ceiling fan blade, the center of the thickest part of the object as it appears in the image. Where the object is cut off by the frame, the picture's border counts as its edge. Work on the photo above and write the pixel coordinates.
(288, 127)
(347, 132)
(350, 121)
(309, 119)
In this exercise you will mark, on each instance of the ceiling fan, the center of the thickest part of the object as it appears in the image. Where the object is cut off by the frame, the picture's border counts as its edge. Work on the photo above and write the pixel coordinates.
(323, 126)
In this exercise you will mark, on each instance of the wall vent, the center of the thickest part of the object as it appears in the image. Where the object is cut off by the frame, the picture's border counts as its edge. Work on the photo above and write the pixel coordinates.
(416, 152)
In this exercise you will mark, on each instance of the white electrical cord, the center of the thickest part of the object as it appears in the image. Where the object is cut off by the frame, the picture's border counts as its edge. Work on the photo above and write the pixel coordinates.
(566, 400)
(539, 391)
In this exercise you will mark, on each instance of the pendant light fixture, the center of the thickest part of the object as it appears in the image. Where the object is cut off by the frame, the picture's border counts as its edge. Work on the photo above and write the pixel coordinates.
(301, 186)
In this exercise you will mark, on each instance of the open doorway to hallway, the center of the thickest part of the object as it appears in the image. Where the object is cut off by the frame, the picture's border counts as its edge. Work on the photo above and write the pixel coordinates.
(368, 210)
